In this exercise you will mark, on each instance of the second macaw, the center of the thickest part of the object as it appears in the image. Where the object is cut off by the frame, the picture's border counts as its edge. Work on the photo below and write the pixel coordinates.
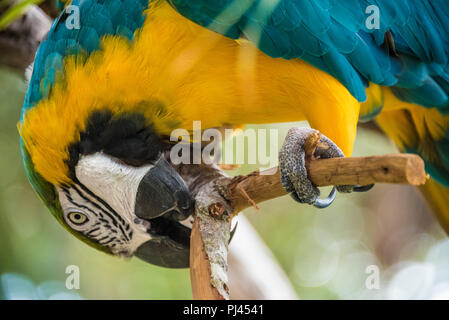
(105, 95)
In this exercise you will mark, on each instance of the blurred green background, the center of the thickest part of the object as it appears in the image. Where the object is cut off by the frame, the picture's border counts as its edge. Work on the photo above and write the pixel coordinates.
(325, 253)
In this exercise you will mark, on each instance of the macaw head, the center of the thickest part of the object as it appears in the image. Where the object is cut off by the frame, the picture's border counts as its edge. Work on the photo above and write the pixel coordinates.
(112, 186)
(96, 156)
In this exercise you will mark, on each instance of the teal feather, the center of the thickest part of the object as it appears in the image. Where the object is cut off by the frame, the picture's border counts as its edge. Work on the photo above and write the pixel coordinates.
(319, 31)
(429, 94)
(413, 73)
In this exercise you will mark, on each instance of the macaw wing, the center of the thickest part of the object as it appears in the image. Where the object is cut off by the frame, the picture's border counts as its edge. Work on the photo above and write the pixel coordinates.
(341, 38)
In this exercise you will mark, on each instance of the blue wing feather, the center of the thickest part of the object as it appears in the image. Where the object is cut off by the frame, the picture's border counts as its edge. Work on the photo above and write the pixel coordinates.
(332, 35)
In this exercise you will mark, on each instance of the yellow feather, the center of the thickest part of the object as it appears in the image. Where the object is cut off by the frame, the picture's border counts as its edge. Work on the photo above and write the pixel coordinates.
(423, 123)
(437, 196)
(373, 104)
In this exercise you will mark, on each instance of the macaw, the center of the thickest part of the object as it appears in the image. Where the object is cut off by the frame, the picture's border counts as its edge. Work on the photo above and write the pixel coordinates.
(105, 95)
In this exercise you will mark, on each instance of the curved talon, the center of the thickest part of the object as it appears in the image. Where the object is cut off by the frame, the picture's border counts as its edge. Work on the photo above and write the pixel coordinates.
(231, 235)
(324, 203)
(363, 188)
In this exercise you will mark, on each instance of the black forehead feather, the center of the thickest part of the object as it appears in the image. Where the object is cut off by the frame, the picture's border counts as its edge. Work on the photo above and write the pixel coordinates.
(127, 136)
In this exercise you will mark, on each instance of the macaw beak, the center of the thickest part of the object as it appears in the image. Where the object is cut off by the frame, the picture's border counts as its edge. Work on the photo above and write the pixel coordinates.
(163, 192)
(164, 199)
(166, 252)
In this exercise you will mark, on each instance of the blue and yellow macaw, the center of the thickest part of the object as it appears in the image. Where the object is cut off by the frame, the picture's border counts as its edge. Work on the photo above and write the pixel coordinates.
(105, 95)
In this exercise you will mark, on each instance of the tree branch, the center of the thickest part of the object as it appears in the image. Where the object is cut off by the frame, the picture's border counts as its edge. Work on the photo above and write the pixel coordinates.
(20, 40)
(395, 168)
(209, 243)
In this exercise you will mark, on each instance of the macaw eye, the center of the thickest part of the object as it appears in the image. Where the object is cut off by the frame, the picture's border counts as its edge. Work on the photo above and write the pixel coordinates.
(78, 218)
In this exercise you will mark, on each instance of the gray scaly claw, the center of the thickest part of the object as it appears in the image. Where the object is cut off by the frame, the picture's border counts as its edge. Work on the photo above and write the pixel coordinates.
(293, 167)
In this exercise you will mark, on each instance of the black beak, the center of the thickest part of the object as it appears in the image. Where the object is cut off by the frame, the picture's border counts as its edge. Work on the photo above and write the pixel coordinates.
(163, 198)
(169, 246)
(163, 192)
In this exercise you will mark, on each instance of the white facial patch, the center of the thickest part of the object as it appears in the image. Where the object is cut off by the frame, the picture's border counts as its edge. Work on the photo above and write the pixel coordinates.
(111, 180)
(106, 194)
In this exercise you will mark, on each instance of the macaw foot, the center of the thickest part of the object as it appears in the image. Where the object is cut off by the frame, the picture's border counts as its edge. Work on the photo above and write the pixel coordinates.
(292, 165)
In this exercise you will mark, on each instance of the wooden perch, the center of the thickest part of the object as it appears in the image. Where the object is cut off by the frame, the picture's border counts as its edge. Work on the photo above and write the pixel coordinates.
(209, 242)
(245, 191)
(200, 269)
(266, 185)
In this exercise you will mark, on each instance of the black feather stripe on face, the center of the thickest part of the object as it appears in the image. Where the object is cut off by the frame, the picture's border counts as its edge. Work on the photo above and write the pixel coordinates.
(127, 137)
